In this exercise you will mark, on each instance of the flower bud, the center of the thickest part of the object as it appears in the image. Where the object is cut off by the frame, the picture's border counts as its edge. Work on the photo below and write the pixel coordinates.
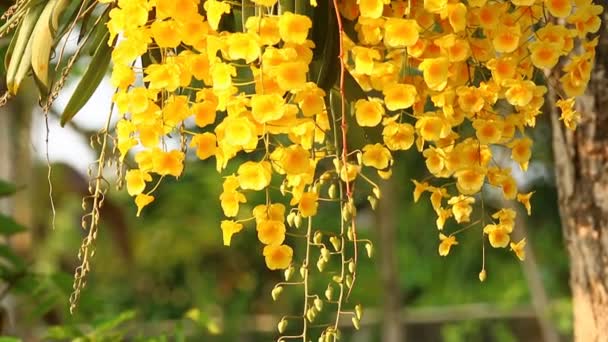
(336, 242)
(290, 218)
(318, 304)
(349, 233)
(376, 191)
(288, 273)
(311, 314)
(370, 249)
(352, 209)
(356, 323)
(332, 192)
(276, 292)
(321, 264)
(329, 292)
(349, 281)
(325, 177)
(373, 202)
(351, 267)
(337, 165)
(325, 254)
(282, 326)
(482, 275)
(318, 237)
(297, 221)
(358, 311)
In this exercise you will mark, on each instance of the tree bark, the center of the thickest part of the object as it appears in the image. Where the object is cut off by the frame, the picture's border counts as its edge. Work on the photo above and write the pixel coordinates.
(581, 161)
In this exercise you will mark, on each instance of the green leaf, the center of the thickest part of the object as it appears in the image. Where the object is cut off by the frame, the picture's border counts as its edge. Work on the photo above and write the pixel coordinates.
(10, 49)
(180, 335)
(21, 51)
(109, 325)
(325, 66)
(63, 332)
(44, 304)
(87, 21)
(8, 226)
(10, 339)
(352, 89)
(42, 43)
(7, 254)
(89, 82)
(27, 283)
(7, 189)
(98, 34)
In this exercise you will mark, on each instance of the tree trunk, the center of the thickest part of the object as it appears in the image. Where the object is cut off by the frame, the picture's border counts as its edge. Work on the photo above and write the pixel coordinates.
(581, 161)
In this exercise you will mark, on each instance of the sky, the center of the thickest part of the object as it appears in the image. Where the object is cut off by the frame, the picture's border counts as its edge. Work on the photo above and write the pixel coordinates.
(65, 144)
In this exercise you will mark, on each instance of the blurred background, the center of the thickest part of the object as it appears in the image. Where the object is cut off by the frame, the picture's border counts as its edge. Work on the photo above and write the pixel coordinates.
(167, 277)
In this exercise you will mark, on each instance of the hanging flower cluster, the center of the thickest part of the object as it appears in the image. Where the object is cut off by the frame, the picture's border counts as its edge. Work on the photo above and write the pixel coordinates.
(461, 81)
(456, 80)
(226, 94)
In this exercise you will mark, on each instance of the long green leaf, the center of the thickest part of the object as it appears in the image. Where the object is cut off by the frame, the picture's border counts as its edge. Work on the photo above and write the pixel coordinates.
(10, 339)
(89, 82)
(9, 51)
(112, 323)
(21, 51)
(8, 226)
(326, 65)
(86, 21)
(42, 42)
(65, 332)
(99, 33)
(7, 189)
(13, 259)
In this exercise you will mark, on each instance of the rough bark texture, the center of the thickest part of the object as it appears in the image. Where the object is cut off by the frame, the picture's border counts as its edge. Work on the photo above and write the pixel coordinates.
(581, 159)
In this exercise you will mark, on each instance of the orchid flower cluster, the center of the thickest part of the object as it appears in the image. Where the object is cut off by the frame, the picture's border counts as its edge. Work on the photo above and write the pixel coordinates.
(455, 80)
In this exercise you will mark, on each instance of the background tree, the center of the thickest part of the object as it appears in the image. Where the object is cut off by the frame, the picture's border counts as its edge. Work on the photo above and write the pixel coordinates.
(581, 164)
